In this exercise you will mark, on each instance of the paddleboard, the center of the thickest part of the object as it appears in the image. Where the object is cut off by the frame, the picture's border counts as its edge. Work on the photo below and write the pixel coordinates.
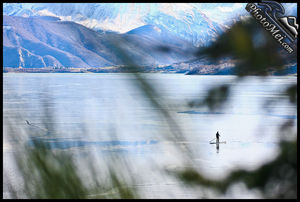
(224, 142)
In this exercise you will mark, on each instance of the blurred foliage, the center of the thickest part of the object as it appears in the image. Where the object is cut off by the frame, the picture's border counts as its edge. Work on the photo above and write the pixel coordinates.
(277, 179)
(50, 173)
(292, 94)
(53, 174)
(254, 49)
(256, 53)
(214, 99)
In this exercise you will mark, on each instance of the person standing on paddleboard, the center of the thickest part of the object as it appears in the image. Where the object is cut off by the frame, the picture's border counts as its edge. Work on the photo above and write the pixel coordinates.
(217, 136)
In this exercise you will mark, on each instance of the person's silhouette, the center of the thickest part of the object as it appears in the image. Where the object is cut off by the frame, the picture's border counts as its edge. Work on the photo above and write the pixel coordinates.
(217, 136)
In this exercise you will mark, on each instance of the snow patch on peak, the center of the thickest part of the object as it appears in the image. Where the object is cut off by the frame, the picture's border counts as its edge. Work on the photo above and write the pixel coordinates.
(45, 12)
(176, 9)
(121, 23)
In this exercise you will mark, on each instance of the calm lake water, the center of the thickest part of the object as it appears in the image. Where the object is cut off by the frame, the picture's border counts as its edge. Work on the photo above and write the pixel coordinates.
(108, 113)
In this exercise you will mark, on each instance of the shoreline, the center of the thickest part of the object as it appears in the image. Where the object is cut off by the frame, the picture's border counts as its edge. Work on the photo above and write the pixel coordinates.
(121, 72)
(11, 70)
(83, 70)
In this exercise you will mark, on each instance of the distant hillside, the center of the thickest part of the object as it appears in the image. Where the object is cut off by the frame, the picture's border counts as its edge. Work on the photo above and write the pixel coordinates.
(185, 20)
(38, 42)
(203, 66)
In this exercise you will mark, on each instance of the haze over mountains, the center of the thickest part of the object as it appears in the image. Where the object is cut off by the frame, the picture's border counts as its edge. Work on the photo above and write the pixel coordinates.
(37, 35)
(185, 20)
(36, 42)
(33, 39)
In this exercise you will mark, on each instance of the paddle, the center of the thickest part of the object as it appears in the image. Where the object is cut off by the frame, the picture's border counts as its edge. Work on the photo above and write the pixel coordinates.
(212, 139)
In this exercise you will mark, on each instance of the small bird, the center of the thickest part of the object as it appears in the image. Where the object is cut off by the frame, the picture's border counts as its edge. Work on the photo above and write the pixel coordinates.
(27, 122)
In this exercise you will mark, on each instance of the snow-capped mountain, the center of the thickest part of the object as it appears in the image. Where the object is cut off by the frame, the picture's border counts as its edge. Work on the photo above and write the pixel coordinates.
(37, 42)
(199, 23)
(184, 20)
(81, 34)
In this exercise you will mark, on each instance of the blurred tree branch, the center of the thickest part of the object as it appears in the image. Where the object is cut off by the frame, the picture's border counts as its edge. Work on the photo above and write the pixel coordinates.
(256, 53)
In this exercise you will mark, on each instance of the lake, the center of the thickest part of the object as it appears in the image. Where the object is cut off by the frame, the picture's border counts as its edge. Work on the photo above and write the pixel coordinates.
(99, 114)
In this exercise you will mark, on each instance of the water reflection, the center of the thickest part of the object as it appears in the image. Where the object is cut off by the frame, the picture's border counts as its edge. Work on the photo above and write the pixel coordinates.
(199, 112)
(115, 104)
(64, 143)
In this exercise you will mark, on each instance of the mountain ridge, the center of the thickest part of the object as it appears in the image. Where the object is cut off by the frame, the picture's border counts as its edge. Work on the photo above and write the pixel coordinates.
(68, 44)
(184, 20)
